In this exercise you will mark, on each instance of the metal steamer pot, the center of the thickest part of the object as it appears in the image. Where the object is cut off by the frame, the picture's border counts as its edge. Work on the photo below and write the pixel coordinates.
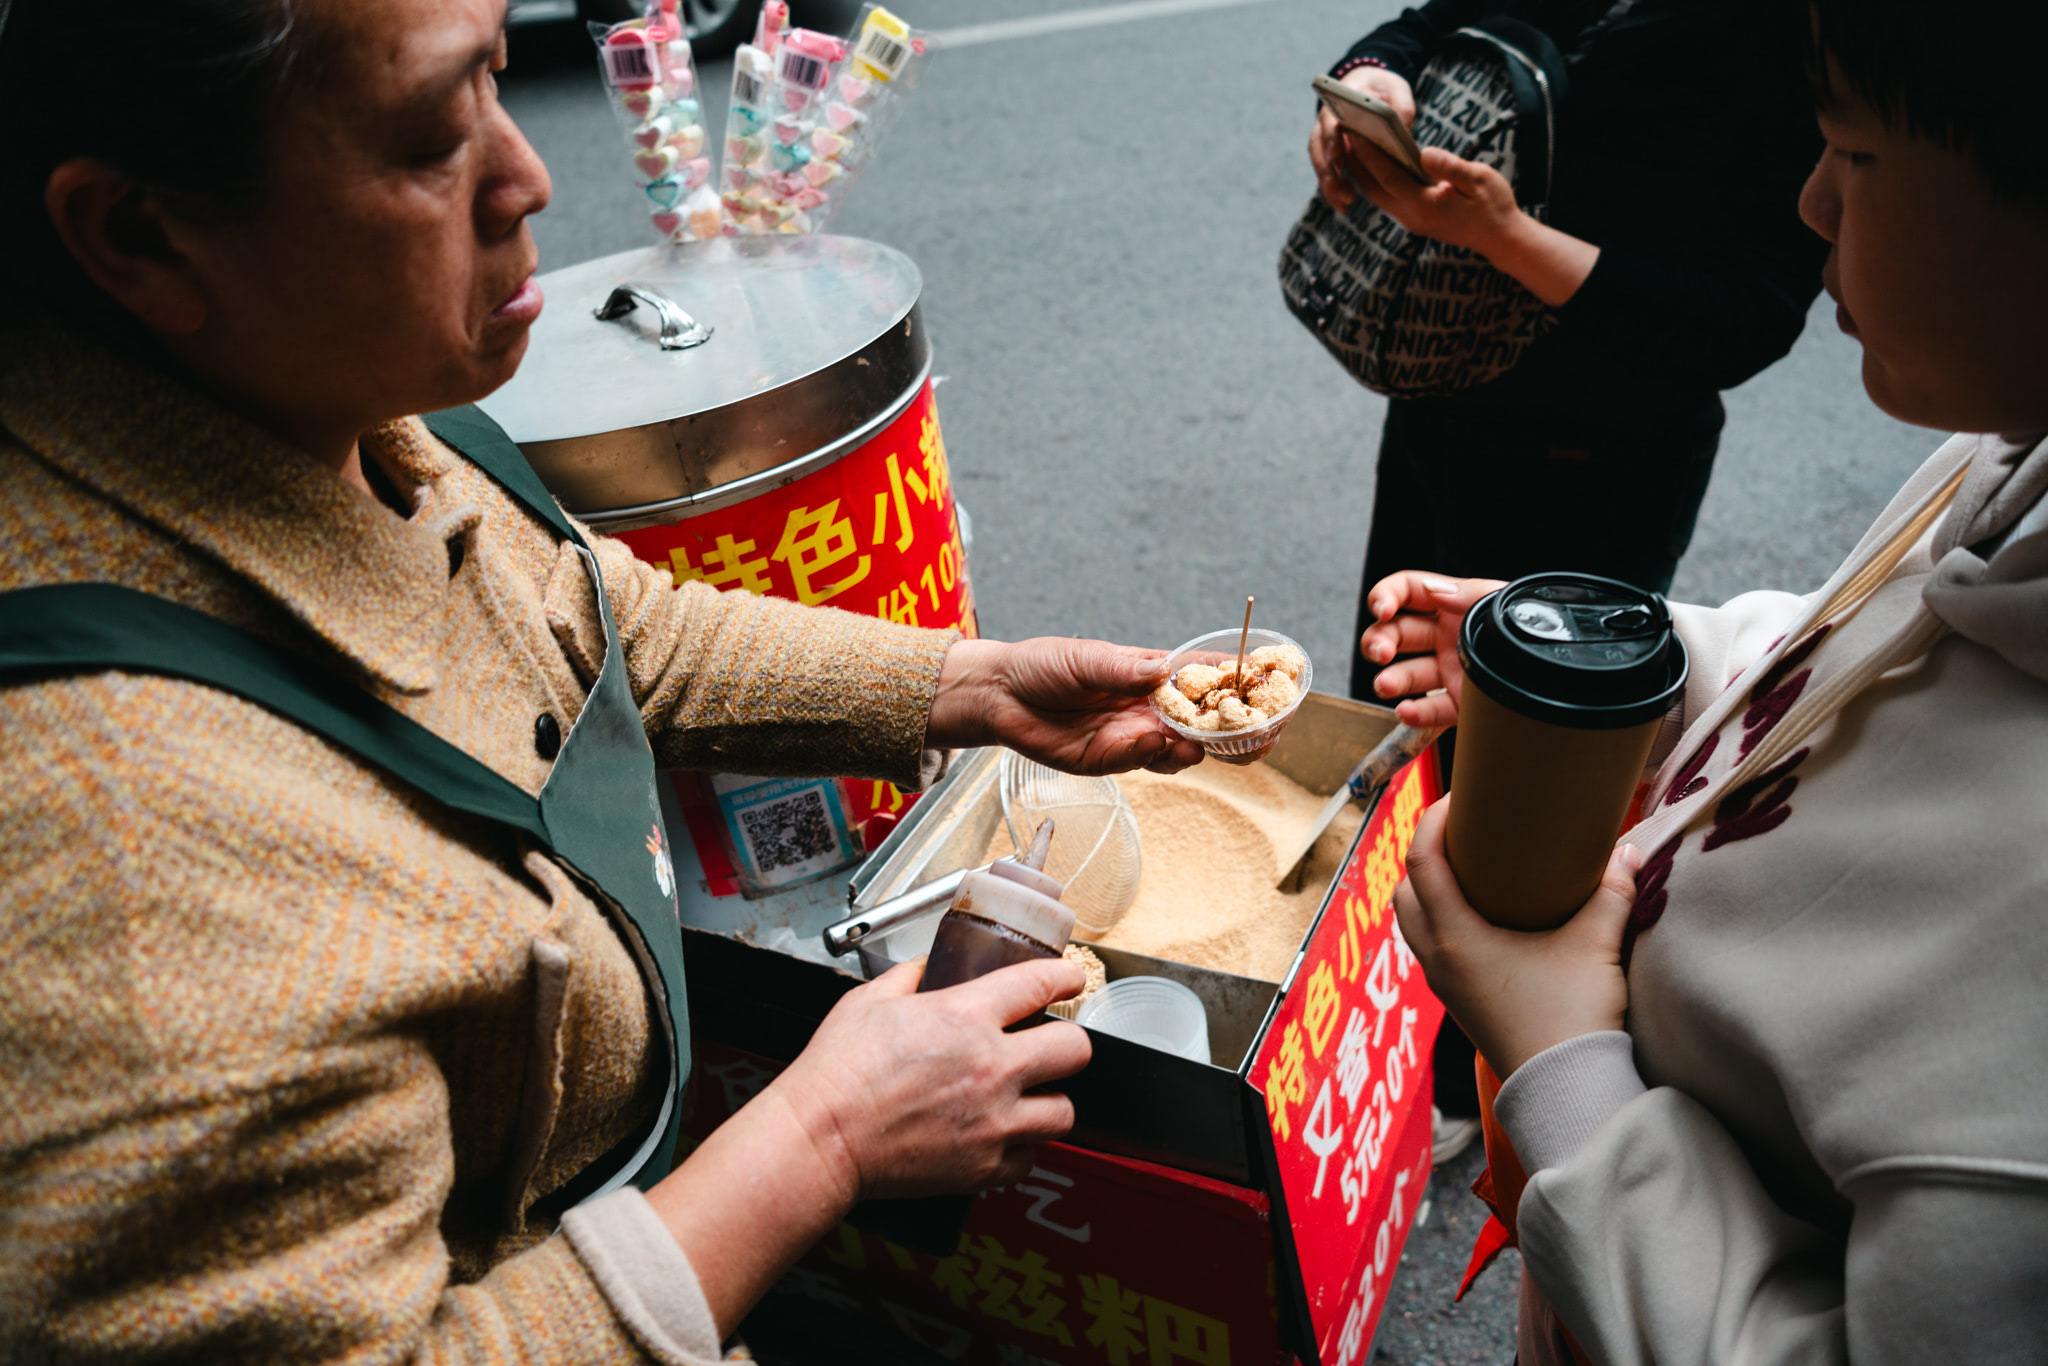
(755, 413)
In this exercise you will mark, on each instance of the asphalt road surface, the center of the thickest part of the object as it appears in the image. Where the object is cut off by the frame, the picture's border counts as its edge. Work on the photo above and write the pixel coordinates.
(1141, 432)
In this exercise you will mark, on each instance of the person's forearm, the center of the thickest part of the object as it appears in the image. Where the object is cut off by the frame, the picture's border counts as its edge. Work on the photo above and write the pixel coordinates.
(1550, 264)
(750, 1201)
(961, 708)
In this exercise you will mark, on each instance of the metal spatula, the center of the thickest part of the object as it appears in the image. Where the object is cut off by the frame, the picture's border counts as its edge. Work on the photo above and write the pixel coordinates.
(1388, 757)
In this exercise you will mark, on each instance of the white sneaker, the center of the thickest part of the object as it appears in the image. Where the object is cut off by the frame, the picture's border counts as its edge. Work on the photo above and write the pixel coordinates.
(1449, 1137)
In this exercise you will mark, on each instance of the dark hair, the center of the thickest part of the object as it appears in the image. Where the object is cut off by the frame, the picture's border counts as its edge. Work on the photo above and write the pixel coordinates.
(197, 126)
(1966, 74)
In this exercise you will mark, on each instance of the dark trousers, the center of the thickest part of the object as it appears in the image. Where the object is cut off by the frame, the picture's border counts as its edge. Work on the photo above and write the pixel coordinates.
(1471, 493)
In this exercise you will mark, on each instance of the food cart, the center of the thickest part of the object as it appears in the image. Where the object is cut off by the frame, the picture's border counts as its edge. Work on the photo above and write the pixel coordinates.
(758, 414)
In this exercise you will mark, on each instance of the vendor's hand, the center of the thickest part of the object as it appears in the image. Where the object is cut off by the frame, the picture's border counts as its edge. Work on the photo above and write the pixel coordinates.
(1515, 992)
(1081, 706)
(1330, 149)
(1419, 614)
(908, 1094)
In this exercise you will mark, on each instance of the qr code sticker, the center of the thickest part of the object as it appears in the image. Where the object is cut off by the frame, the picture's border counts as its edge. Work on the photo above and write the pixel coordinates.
(790, 832)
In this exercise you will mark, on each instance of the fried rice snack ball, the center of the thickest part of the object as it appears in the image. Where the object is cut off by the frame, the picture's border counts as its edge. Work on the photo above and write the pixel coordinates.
(1174, 703)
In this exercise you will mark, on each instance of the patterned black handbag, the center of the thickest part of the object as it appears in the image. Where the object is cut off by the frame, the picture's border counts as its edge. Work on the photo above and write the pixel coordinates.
(1408, 316)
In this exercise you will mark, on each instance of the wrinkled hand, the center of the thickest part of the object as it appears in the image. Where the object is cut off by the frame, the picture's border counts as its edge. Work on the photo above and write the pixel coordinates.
(1082, 706)
(1515, 992)
(1330, 147)
(907, 1094)
(1420, 614)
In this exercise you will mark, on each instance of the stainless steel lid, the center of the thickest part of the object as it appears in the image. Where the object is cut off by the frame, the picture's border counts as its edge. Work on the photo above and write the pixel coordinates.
(813, 344)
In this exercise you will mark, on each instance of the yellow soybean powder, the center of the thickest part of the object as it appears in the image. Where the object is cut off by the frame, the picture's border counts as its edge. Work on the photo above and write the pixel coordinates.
(1213, 838)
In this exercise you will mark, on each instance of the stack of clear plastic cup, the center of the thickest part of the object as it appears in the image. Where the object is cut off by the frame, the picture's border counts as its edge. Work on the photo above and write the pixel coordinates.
(1157, 1012)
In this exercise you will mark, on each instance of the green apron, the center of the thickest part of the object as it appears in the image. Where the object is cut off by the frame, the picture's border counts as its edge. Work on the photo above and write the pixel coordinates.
(597, 814)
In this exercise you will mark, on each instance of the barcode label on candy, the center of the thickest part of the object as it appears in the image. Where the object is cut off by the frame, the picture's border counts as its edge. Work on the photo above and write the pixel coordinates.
(628, 64)
(806, 73)
(746, 88)
(790, 833)
(882, 52)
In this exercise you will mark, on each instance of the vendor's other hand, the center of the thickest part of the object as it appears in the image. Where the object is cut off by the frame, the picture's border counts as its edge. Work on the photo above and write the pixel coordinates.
(1419, 615)
(908, 1094)
(1515, 992)
(1081, 706)
(1330, 148)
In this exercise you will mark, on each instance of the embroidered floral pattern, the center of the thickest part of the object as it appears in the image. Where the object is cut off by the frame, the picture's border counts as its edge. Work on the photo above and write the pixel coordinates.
(1758, 807)
(1777, 690)
(1651, 898)
(1691, 778)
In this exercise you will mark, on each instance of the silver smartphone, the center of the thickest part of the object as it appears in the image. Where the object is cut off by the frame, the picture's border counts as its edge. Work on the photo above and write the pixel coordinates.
(1376, 122)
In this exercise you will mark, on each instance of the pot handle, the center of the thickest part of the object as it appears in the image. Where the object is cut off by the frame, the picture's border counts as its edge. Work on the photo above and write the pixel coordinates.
(679, 331)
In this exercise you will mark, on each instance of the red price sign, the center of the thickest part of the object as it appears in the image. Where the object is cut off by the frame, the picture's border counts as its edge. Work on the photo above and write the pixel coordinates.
(1345, 1074)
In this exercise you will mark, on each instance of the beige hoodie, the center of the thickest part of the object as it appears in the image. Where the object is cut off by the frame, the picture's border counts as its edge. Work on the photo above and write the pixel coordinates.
(1824, 1135)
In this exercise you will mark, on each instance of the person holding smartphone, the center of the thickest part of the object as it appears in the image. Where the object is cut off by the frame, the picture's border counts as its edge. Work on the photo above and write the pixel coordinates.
(1778, 1085)
(1678, 267)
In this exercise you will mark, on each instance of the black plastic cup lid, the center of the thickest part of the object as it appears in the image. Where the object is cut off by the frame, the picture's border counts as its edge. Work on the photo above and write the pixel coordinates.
(1575, 650)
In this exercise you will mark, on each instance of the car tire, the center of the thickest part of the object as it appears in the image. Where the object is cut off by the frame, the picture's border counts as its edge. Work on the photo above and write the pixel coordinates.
(716, 26)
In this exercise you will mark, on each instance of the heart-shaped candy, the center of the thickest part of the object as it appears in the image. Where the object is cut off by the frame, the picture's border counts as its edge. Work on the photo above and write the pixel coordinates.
(653, 133)
(742, 151)
(667, 193)
(668, 223)
(807, 198)
(688, 141)
(842, 116)
(684, 112)
(827, 143)
(788, 131)
(706, 222)
(744, 122)
(796, 97)
(657, 164)
(737, 177)
(695, 173)
(789, 158)
(822, 172)
(641, 104)
(856, 90)
(679, 81)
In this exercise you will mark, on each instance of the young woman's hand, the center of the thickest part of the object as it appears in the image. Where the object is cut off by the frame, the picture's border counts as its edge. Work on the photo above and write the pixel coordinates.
(1419, 614)
(1514, 992)
(1081, 706)
(909, 1094)
(1330, 149)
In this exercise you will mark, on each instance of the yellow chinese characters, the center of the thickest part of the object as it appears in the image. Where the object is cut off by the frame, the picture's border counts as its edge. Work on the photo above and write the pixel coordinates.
(813, 541)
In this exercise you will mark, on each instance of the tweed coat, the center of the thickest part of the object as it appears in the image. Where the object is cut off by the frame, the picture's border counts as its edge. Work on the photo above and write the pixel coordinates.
(296, 1060)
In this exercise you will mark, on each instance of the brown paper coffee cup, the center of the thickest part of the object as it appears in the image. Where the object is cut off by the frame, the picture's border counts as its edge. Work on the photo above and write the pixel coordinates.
(1567, 679)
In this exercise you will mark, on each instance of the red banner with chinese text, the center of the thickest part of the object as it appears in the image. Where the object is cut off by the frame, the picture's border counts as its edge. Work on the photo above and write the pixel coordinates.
(1344, 1069)
(872, 532)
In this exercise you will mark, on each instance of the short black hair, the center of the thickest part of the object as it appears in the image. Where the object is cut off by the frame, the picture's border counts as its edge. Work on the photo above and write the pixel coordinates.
(1966, 73)
(189, 110)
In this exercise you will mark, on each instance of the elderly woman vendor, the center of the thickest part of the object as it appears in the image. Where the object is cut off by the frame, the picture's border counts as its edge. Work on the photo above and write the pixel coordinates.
(317, 1048)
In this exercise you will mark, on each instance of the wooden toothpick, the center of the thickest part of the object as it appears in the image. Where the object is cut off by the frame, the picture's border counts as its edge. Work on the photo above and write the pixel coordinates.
(1237, 679)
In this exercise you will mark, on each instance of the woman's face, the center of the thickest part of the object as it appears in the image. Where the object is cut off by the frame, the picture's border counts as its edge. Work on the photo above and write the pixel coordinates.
(1944, 282)
(388, 268)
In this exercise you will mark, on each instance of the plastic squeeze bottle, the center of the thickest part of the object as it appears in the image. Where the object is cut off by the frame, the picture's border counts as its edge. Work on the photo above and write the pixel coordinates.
(1009, 913)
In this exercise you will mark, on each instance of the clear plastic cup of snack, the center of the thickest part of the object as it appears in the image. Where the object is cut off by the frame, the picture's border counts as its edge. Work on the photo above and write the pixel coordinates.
(1250, 744)
(1155, 1011)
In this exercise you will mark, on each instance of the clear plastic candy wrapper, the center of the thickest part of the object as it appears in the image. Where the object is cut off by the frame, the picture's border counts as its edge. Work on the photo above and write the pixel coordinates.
(807, 113)
(653, 84)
